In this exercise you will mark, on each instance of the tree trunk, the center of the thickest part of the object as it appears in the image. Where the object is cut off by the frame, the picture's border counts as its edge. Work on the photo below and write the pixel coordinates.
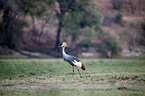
(6, 23)
(33, 29)
(58, 35)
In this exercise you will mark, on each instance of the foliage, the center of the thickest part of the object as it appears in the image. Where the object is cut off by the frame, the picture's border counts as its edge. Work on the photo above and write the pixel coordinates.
(86, 43)
(80, 19)
(109, 46)
(13, 21)
(131, 24)
(42, 10)
(74, 15)
(34, 8)
(88, 34)
(118, 18)
(72, 26)
(11, 25)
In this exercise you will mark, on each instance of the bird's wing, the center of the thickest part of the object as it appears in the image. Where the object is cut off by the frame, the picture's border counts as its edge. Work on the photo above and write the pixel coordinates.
(75, 58)
(72, 58)
(75, 61)
(69, 59)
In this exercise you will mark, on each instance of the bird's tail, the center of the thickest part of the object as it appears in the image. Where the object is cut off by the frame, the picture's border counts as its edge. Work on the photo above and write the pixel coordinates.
(83, 67)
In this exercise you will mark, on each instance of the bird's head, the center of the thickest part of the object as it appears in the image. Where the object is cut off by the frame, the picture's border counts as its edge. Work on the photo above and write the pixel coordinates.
(63, 44)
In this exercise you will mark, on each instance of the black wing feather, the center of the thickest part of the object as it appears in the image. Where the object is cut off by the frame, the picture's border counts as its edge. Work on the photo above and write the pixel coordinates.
(71, 59)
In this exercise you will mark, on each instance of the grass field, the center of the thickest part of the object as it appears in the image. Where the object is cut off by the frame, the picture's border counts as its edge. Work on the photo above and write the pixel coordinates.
(53, 77)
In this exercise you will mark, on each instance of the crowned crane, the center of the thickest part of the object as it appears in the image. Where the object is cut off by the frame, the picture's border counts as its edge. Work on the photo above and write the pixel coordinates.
(74, 61)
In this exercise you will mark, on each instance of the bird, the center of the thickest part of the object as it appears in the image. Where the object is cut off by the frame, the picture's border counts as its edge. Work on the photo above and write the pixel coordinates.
(72, 60)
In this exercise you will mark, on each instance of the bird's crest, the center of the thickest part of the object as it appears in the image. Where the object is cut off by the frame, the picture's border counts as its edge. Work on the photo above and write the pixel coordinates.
(64, 44)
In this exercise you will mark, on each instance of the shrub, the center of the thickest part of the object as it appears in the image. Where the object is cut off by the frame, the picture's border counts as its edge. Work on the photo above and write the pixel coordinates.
(86, 43)
(118, 18)
(109, 46)
(131, 24)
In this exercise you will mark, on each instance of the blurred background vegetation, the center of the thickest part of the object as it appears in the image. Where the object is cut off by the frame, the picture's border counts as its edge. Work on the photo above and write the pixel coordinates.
(106, 28)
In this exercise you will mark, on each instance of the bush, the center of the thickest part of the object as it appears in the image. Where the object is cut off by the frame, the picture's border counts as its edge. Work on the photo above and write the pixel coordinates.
(131, 24)
(109, 46)
(118, 18)
(86, 43)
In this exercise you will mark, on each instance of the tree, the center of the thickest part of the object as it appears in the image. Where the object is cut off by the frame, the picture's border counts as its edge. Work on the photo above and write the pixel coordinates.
(11, 25)
(74, 15)
(36, 9)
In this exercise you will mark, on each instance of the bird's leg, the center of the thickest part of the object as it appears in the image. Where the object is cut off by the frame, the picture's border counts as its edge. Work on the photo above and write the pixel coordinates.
(78, 71)
(73, 72)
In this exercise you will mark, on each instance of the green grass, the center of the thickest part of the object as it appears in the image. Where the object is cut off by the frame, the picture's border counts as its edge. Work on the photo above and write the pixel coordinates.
(59, 68)
(53, 78)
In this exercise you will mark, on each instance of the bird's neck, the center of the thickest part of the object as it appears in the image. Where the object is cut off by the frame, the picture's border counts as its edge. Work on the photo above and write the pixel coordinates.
(63, 52)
